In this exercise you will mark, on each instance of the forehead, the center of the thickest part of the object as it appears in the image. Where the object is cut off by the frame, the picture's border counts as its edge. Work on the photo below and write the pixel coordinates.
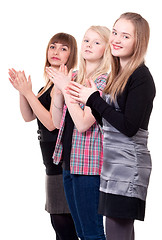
(92, 34)
(124, 26)
(60, 44)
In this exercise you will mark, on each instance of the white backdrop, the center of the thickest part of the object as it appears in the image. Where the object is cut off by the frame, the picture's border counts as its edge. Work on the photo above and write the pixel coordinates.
(25, 29)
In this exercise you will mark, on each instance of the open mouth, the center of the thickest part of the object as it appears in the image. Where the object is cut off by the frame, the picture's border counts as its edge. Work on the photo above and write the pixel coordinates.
(116, 47)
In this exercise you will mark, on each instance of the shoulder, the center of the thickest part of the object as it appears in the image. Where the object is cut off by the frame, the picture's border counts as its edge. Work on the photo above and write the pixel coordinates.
(40, 89)
(141, 75)
(102, 77)
(101, 81)
(142, 78)
(74, 74)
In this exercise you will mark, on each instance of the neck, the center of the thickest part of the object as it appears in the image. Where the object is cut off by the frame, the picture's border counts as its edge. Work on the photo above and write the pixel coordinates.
(90, 67)
(123, 62)
(55, 67)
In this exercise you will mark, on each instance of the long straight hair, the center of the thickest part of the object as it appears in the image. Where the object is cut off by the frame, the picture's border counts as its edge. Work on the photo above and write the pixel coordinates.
(104, 65)
(65, 39)
(118, 79)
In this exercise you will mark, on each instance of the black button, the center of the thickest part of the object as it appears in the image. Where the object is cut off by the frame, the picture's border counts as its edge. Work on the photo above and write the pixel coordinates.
(39, 137)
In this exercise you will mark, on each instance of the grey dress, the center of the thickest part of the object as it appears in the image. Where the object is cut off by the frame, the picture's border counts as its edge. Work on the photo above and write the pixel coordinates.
(127, 161)
(55, 197)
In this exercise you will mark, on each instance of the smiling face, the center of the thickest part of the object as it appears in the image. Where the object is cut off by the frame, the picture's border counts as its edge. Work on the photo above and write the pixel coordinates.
(122, 40)
(93, 46)
(58, 54)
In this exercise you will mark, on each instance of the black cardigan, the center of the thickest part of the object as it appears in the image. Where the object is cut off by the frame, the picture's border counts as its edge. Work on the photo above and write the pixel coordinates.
(135, 102)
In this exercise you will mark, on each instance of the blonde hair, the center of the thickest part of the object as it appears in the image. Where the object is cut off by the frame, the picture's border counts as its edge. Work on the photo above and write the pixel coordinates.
(118, 79)
(68, 40)
(104, 65)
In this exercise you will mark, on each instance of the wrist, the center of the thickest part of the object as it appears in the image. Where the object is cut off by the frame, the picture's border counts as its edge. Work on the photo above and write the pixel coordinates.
(92, 98)
(57, 106)
(28, 94)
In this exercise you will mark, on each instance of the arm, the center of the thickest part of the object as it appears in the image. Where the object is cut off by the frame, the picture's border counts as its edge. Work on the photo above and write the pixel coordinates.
(57, 104)
(38, 109)
(136, 110)
(30, 106)
(136, 102)
(83, 119)
(26, 110)
(81, 94)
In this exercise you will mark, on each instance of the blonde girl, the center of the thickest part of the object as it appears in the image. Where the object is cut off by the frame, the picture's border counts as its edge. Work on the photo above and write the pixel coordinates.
(79, 144)
(125, 112)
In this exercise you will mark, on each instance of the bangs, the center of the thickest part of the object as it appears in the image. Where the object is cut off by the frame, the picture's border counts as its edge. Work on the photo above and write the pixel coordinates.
(61, 38)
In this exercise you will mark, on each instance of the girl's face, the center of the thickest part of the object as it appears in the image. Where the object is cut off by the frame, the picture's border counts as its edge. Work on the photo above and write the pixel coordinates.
(93, 46)
(122, 39)
(58, 54)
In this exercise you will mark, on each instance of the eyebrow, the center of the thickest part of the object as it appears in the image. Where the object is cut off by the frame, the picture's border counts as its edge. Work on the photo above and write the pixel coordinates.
(63, 45)
(122, 32)
(96, 39)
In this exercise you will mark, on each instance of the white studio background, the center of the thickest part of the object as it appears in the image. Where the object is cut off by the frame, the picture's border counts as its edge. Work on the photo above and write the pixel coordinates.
(26, 27)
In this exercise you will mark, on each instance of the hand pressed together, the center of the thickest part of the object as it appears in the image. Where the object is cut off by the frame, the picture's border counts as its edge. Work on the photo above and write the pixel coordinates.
(79, 92)
(20, 82)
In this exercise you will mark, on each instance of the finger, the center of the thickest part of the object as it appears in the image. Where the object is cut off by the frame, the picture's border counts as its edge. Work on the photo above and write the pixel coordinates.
(70, 73)
(72, 93)
(29, 79)
(75, 85)
(87, 81)
(61, 68)
(11, 81)
(11, 74)
(23, 76)
(66, 70)
(20, 77)
(13, 70)
(75, 99)
(49, 73)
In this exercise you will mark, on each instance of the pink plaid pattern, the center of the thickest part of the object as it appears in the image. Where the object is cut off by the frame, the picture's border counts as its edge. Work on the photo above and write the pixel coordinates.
(87, 148)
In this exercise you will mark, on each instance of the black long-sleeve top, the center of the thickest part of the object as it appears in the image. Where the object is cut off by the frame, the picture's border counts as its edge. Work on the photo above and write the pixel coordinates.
(135, 103)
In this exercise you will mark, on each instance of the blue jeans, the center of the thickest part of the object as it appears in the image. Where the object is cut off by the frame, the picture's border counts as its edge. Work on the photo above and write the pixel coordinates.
(82, 193)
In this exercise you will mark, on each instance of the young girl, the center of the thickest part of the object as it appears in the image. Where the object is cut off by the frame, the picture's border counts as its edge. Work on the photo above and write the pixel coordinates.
(61, 49)
(125, 112)
(79, 143)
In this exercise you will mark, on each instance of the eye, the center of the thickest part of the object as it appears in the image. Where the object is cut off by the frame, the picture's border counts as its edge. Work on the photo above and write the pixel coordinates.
(125, 37)
(97, 43)
(85, 40)
(114, 33)
(52, 46)
(64, 49)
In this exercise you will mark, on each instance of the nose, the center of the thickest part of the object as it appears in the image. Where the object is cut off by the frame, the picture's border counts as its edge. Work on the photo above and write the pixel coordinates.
(117, 39)
(55, 50)
(89, 44)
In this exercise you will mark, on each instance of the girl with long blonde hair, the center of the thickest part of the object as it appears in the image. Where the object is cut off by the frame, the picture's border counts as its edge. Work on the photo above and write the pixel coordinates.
(124, 112)
(79, 144)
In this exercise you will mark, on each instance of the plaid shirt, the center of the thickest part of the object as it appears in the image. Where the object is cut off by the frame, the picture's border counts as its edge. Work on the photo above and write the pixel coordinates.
(87, 148)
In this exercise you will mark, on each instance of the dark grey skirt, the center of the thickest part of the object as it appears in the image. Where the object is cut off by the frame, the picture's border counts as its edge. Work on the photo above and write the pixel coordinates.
(55, 197)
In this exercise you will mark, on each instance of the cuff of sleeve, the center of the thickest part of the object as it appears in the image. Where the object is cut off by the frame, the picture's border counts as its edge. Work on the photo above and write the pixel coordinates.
(92, 98)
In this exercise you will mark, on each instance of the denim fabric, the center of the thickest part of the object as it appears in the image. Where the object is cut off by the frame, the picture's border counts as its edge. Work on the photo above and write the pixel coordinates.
(82, 193)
